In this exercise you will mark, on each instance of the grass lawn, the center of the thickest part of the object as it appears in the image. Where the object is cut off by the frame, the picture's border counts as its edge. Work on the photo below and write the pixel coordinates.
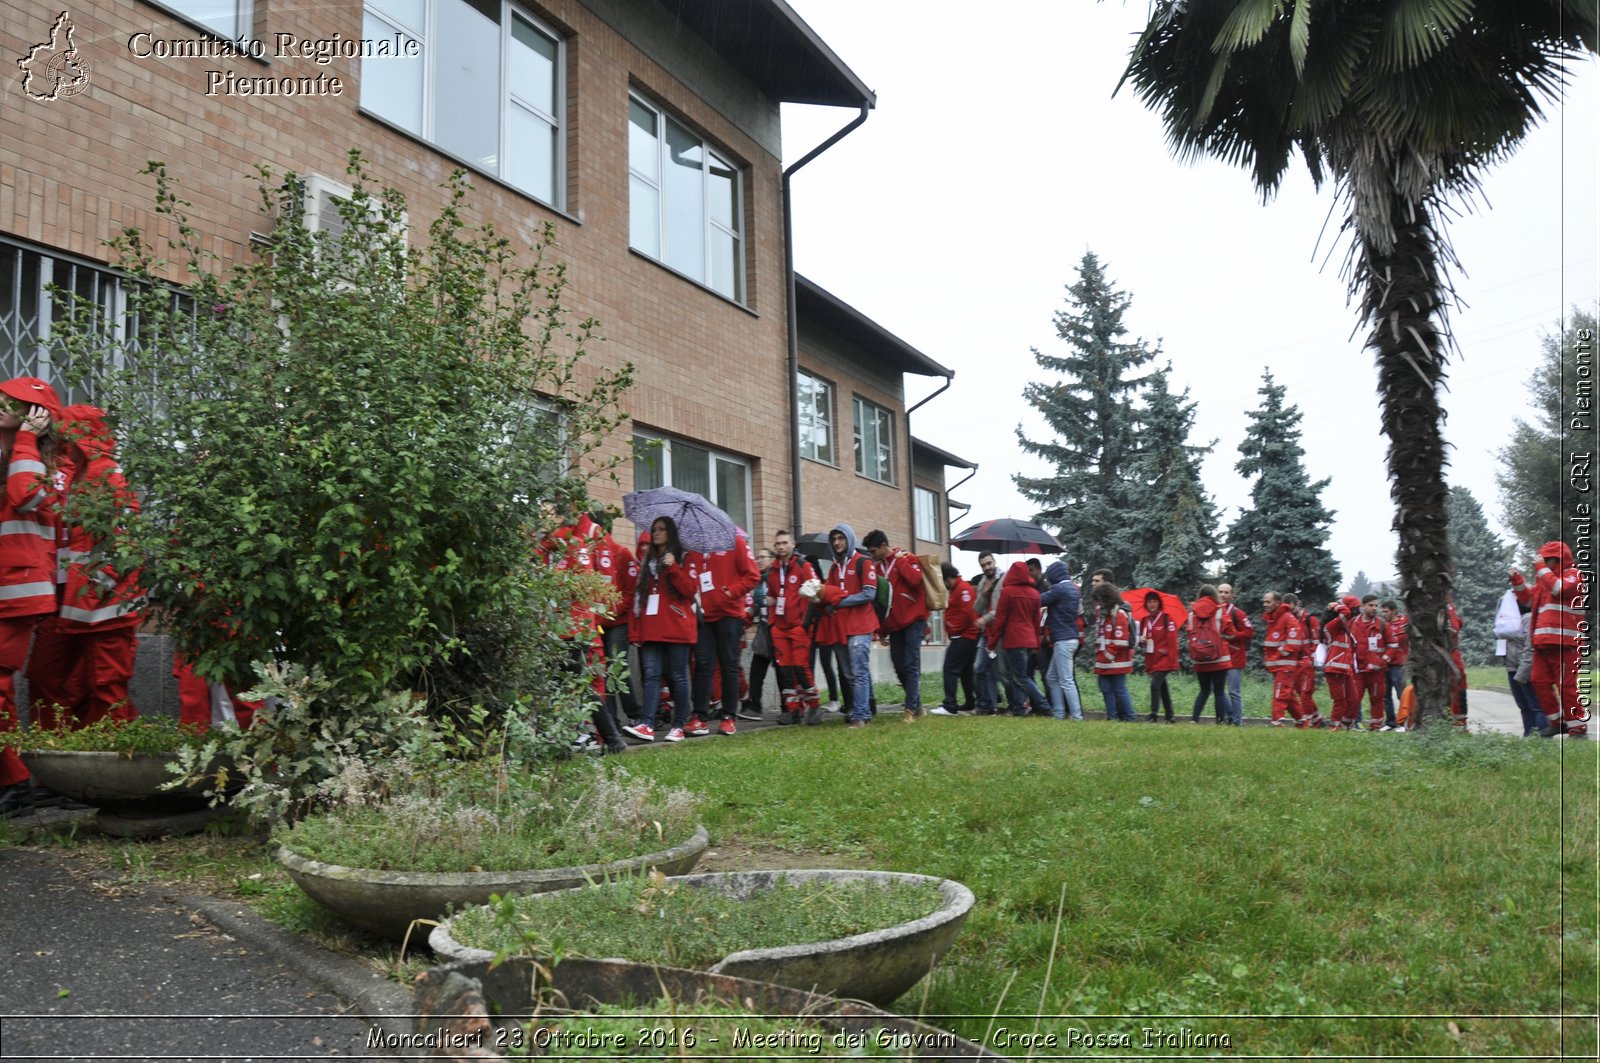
(1322, 894)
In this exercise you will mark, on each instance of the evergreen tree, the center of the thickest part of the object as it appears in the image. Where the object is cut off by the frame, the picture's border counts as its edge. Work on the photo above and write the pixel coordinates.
(1361, 586)
(1482, 562)
(1091, 498)
(1535, 470)
(1280, 542)
(1177, 522)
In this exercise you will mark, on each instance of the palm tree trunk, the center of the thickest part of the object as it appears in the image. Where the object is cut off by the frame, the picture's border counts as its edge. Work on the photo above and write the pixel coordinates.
(1403, 298)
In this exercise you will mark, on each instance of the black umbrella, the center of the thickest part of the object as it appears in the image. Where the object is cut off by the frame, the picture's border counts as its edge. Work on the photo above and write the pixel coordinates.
(815, 545)
(1007, 535)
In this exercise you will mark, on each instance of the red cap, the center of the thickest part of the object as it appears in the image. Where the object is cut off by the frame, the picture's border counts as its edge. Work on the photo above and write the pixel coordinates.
(35, 392)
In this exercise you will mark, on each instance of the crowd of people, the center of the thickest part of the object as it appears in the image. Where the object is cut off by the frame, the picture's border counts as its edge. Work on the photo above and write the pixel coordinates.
(1014, 638)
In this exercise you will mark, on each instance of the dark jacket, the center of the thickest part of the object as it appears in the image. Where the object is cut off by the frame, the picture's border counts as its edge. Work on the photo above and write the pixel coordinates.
(1063, 601)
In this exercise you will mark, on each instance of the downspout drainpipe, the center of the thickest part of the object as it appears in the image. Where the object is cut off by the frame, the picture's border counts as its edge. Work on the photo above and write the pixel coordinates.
(794, 323)
(911, 495)
(949, 525)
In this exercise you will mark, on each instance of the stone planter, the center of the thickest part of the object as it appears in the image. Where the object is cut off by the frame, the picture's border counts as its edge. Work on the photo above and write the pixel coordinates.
(388, 902)
(877, 966)
(491, 1007)
(112, 780)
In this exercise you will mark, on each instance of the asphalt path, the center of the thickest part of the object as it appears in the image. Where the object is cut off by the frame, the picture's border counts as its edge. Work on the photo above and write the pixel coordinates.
(94, 971)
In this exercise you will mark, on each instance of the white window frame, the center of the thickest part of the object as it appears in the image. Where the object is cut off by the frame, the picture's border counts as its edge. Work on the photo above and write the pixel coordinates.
(809, 419)
(427, 37)
(883, 441)
(919, 494)
(661, 447)
(711, 224)
(243, 18)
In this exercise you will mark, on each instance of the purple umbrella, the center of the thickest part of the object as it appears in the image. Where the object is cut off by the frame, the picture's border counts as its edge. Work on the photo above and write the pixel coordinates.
(701, 526)
(1006, 535)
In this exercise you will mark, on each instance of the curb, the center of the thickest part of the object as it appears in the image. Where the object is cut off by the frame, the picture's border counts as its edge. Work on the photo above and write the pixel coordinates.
(371, 996)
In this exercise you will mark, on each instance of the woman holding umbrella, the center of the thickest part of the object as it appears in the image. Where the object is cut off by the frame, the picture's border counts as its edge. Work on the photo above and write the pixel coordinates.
(663, 628)
(1158, 640)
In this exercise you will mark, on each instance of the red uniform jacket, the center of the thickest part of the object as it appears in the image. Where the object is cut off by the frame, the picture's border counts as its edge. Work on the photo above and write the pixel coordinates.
(663, 603)
(1203, 609)
(1243, 632)
(1371, 638)
(572, 547)
(615, 562)
(785, 607)
(1113, 642)
(27, 534)
(96, 598)
(1555, 599)
(906, 603)
(1285, 645)
(1016, 618)
(723, 578)
(1341, 648)
(849, 578)
(960, 617)
(1399, 640)
(1158, 637)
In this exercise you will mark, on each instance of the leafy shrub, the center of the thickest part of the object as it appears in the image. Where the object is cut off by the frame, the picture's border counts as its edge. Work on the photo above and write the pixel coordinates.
(145, 734)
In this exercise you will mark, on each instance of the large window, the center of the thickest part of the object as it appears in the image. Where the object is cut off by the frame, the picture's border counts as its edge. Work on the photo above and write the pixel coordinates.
(874, 441)
(685, 205)
(478, 78)
(659, 461)
(928, 523)
(228, 19)
(816, 418)
(29, 310)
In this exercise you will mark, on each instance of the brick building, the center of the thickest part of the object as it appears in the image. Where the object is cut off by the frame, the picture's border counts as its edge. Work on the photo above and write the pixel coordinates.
(647, 131)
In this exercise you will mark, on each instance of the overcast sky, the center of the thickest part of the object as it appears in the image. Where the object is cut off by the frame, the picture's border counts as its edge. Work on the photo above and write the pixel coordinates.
(957, 214)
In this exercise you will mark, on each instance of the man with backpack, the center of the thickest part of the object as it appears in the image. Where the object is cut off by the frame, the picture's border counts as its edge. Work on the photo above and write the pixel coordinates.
(1208, 629)
(852, 621)
(906, 622)
(1238, 649)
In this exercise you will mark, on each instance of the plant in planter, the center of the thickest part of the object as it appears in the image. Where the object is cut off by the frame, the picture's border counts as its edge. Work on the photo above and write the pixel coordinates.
(868, 935)
(120, 762)
(350, 448)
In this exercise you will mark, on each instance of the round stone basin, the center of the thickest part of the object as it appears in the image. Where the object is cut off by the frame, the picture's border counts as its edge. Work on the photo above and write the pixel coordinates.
(388, 902)
(111, 780)
(878, 966)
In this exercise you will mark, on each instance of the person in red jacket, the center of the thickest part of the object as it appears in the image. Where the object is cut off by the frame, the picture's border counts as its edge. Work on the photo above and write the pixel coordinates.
(1238, 649)
(1340, 669)
(1016, 626)
(907, 622)
(1208, 630)
(1395, 665)
(615, 562)
(1305, 675)
(663, 627)
(28, 410)
(576, 548)
(1113, 649)
(82, 659)
(722, 579)
(961, 628)
(1371, 677)
(1158, 640)
(1282, 651)
(791, 640)
(1556, 599)
(849, 619)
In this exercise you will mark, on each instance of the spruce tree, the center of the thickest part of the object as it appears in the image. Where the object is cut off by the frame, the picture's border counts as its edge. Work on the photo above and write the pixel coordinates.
(1361, 586)
(1091, 499)
(1482, 563)
(1177, 522)
(1535, 472)
(1280, 542)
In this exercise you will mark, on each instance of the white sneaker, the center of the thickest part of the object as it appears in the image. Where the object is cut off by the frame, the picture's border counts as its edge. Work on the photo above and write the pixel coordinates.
(1386, 728)
(940, 710)
(832, 706)
(674, 735)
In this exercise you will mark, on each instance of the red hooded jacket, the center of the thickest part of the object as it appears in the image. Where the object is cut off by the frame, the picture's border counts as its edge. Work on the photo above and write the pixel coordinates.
(1158, 638)
(906, 603)
(785, 577)
(1016, 617)
(723, 578)
(1285, 644)
(1556, 598)
(663, 602)
(960, 618)
(95, 597)
(27, 534)
(1209, 609)
(1341, 647)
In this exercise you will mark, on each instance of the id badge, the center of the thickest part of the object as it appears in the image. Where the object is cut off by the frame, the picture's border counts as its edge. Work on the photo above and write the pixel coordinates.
(705, 582)
(781, 602)
(652, 605)
(1372, 642)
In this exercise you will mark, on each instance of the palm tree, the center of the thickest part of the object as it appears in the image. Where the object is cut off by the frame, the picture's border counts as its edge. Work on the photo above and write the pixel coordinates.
(1402, 104)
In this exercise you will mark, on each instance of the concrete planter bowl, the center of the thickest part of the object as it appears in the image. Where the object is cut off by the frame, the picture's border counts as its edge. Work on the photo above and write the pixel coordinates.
(492, 1005)
(111, 780)
(877, 967)
(388, 902)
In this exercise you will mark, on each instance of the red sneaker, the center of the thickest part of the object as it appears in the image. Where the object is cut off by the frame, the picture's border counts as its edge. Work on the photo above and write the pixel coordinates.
(696, 728)
(726, 727)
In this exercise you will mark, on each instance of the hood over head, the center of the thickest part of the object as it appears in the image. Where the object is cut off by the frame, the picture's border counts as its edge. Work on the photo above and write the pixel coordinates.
(1350, 601)
(1204, 607)
(1058, 572)
(34, 392)
(85, 425)
(1018, 575)
(849, 538)
(1557, 548)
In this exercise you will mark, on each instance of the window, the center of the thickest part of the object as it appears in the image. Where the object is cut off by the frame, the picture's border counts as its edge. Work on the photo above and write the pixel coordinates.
(723, 478)
(478, 78)
(229, 19)
(874, 441)
(816, 418)
(927, 503)
(28, 310)
(685, 205)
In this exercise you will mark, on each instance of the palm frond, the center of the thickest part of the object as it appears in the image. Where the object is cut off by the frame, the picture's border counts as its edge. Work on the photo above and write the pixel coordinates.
(1246, 24)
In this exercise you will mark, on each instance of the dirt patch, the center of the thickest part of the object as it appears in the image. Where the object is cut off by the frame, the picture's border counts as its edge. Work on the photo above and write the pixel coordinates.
(735, 853)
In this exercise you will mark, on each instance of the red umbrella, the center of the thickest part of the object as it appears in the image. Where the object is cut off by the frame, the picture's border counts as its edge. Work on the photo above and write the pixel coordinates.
(1171, 604)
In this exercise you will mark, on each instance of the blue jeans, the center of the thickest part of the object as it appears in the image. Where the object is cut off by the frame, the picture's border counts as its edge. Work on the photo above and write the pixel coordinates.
(1020, 686)
(1527, 703)
(1119, 703)
(985, 673)
(1062, 682)
(673, 659)
(1235, 700)
(905, 650)
(861, 681)
(1394, 688)
(958, 657)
